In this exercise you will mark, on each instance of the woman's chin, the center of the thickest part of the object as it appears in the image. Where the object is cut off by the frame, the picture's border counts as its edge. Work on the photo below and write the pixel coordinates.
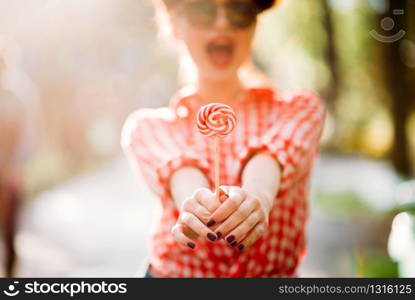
(221, 74)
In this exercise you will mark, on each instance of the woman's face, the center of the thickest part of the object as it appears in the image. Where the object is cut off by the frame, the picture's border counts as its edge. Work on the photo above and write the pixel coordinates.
(217, 46)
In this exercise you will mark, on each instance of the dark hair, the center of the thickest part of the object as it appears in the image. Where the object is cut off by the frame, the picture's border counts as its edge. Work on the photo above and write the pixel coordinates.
(265, 4)
(262, 4)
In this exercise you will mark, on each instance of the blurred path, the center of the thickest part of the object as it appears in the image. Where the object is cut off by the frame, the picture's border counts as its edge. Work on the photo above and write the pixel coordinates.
(93, 225)
(96, 224)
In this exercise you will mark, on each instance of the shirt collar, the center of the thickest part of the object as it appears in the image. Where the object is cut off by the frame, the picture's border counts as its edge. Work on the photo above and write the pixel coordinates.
(186, 97)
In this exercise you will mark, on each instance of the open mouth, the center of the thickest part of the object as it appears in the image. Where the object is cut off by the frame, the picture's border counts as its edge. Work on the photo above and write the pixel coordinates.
(220, 52)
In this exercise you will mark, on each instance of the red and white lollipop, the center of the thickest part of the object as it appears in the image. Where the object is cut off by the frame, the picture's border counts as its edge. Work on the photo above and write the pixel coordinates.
(217, 120)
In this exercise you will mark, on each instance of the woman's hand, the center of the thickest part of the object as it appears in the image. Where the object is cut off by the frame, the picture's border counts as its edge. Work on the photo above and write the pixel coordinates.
(195, 213)
(244, 216)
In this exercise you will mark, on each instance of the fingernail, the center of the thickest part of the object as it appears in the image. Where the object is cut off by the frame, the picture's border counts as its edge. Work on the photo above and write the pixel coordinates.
(218, 234)
(233, 243)
(230, 239)
(211, 223)
(191, 245)
(211, 237)
(241, 247)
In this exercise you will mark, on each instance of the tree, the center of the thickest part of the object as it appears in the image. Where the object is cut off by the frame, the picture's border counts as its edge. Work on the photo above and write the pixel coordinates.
(398, 79)
(332, 91)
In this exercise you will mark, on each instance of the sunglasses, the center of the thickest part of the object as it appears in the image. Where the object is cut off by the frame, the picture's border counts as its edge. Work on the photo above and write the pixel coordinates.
(203, 13)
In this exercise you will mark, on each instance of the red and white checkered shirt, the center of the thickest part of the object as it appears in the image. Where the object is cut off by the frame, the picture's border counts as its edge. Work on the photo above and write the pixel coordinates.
(286, 125)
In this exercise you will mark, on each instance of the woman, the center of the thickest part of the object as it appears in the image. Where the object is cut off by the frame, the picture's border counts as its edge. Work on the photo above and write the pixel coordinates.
(257, 227)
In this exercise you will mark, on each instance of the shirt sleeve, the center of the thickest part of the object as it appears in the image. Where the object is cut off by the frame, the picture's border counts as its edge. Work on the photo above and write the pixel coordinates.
(292, 137)
(155, 145)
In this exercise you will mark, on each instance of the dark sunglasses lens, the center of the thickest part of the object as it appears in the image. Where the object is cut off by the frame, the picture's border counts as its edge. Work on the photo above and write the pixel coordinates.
(241, 14)
(200, 13)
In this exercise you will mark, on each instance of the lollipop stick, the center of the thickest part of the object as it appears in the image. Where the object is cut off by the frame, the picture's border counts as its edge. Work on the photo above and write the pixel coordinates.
(217, 166)
(218, 120)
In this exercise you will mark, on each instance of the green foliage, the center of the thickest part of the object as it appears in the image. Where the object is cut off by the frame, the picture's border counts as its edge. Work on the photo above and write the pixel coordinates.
(407, 207)
(375, 264)
(341, 203)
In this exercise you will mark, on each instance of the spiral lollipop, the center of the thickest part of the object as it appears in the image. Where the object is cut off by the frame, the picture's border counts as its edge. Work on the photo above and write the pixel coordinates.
(217, 120)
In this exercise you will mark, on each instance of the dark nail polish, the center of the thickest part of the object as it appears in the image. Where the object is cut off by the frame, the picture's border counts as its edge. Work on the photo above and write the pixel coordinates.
(218, 234)
(233, 243)
(191, 245)
(211, 223)
(230, 239)
(211, 237)
(241, 247)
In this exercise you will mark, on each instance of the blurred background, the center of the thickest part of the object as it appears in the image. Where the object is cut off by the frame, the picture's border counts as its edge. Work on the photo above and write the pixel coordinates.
(72, 71)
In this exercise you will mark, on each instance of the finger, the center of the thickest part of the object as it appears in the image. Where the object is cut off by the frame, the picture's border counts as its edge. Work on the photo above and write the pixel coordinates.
(178, 234)
(207, 199)
(236, 218)
(223, 195)
(258, 231)
(246, 226)
(192, 206)
(197, 226)
(189, 232)
(236, 197)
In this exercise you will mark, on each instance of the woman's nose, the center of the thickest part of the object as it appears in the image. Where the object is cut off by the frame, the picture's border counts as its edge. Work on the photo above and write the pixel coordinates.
(221, 21)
